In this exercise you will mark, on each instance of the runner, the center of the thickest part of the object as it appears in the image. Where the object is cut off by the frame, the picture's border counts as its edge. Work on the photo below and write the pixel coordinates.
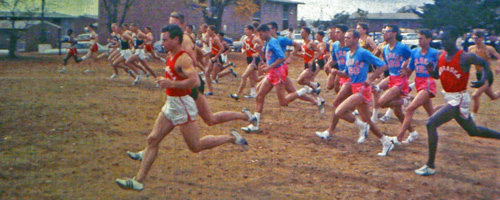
(425, 85)
(139, 55)
(224, 70)
(71, 50)
(149, 44)
(357, 64)
(215, 58)
(488, 53)
(92, 53)
(179, 109)
(310, 53)
(276, 72)
(320, 62)
(453, 71)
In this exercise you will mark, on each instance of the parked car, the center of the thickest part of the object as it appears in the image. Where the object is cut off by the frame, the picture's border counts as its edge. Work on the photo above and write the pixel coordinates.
(238, 45)
(410, 39)
(377, 37)
(83, 37)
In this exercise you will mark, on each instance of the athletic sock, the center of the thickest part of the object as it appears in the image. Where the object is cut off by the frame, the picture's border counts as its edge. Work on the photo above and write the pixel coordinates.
(83, 58)
(313, 85)
(302, 91)
(253, 91)
(359, 122)
(375, 112)
(388, 113)
(257, 115)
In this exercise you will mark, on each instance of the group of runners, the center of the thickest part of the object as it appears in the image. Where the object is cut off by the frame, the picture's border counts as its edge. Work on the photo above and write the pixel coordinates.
(365, 77)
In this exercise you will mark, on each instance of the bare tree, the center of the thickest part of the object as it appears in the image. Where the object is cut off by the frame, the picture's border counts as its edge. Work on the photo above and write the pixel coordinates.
(213, 10)
(113, 7)
(14, 8)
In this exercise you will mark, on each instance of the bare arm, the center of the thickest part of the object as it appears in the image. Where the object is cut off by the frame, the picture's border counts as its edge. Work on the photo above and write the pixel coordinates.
(185, 68)
(473, 59)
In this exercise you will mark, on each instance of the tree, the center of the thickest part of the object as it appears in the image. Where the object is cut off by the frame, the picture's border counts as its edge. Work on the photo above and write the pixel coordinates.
(362, 14)
(463, 14)
(213, 10)
(316, 23)
(18, 10)
(113, 8)
(408, 9)
(340, 18)
(302, 23)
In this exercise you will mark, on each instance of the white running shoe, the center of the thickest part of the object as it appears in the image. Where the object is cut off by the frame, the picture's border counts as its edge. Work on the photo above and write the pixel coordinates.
(130, 184)
(363, 132)
(385, 118)
(250, 96)
(113, 76)
(425, 171)
(321, 108)
(135, 156)
(374, 119)
(387, 146)
(412, 137)
(355, 112)
(137, 80)
(239, 140)
(323, 135)
(62, 71)
(250, 128)
(252, 119)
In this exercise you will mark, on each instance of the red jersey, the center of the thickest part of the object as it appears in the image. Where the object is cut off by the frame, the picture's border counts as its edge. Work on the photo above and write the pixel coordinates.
(453, 79)
(308, 53)
(249, 47)
(171, 74)
(215, 48)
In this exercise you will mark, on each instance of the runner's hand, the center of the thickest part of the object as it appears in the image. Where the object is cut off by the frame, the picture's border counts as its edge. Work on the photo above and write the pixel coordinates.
(430, 66)
(164, 82)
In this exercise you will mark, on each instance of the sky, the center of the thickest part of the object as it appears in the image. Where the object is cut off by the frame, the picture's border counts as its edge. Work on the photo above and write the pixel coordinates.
(326, 9)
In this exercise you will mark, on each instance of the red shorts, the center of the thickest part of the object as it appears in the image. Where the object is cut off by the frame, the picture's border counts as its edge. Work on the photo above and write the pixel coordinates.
(72, 51)
(148, 47)
(94, 48)
(343, 80)
(277, 75)
(364, 90)
(401, 82)
(426, 84)
(285, 67)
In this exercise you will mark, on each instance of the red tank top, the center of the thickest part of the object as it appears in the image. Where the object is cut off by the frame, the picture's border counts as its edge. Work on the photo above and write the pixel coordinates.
(453, 79)
(308, 53)
(171, 73)
(249, 47)
(215, 48)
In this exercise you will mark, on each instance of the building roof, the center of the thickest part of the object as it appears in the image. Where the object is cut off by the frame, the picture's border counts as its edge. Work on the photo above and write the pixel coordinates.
(382, 16)
(287, 1)
(23, 24)
(6, 14)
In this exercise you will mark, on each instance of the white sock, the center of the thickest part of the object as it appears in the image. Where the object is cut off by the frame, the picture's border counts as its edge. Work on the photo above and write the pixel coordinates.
(84, 57)
(313, 85)
(257, 115)
(359, 122)
(383, 139)
(414, 133)
(388, 113)
(302, 91)
(412, 86)
(375, 112)
(253, 91)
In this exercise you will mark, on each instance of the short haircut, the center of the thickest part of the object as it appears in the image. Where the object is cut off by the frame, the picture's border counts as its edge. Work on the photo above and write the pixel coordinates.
(250, 27)
(394, 28)
(425, 32)
(125, 25)
(452, 30)
(344, 28)
(479, 34)
(190, 26)
(221, 33)
(204, 25)
(148, 27)
(177, 16)
(363, 25)
(255, 24)
(211, 27)
(263, 28)
(173, 31)
(91, 26)
(308, 30)
(133, 24)
(290, 29)
(273, 25)
(69, 31)
(321, 33)
(355, 33)
(399, 37)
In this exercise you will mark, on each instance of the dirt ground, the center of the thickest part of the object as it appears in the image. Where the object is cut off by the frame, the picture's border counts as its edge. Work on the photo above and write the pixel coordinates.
(64, 136)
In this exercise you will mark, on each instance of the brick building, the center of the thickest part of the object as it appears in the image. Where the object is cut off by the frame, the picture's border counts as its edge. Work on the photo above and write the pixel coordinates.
(155, 13)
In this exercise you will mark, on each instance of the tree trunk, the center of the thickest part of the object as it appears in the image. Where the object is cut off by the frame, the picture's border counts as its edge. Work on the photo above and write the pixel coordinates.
(43, 36)
(12, 45)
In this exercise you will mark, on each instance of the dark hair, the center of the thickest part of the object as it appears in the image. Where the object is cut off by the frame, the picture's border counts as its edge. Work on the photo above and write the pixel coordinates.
(344, 28)
(425, 32)
(364, 26)
(321, 33)
(355, 33)
(174, 31)
(221, 33)
(394, 28)
(250, 27)
(255, 24)
(148, 27)
(211, 27)
(399, 37)
(479, 34)
(125, 25)
(133, 24)
(290, 29)
(190, 26)
(273, 25)
(308, 30)
(91, 26)
(69, 31)
(177, 16)
(263, 28)
(452, 30)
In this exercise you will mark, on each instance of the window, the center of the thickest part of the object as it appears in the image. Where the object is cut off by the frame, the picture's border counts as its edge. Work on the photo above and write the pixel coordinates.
(285, 11)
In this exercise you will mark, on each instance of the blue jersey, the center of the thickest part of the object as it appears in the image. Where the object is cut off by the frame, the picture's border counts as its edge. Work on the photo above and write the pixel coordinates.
(273, 51)
(338, 54)
(395, 57)
(419, 61)
(284, 42)
(357, 65)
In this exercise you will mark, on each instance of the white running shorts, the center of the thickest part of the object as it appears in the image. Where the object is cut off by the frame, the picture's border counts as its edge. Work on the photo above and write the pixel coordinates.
(180, 110)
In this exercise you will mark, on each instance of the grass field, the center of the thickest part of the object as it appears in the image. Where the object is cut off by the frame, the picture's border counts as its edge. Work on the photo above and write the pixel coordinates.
(64, 136)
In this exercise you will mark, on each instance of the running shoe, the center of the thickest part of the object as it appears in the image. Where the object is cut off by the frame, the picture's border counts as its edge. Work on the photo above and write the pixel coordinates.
(252, 119)
(323, 135)
(387, 146)
(209, 93)
(355, 112)
(250, 128)
(374, 119)
(130, 72)
(385, 118)
(62, 71)
(135, 156)
(88, 71)
(363, 132)
(425, 171)
(130, 184)
(321, 108)
(250, 96)
(232, 72)
(413, 136)
(234, 96)
(113, 76)
(232, 64)
(239, 140)
(137, 80)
